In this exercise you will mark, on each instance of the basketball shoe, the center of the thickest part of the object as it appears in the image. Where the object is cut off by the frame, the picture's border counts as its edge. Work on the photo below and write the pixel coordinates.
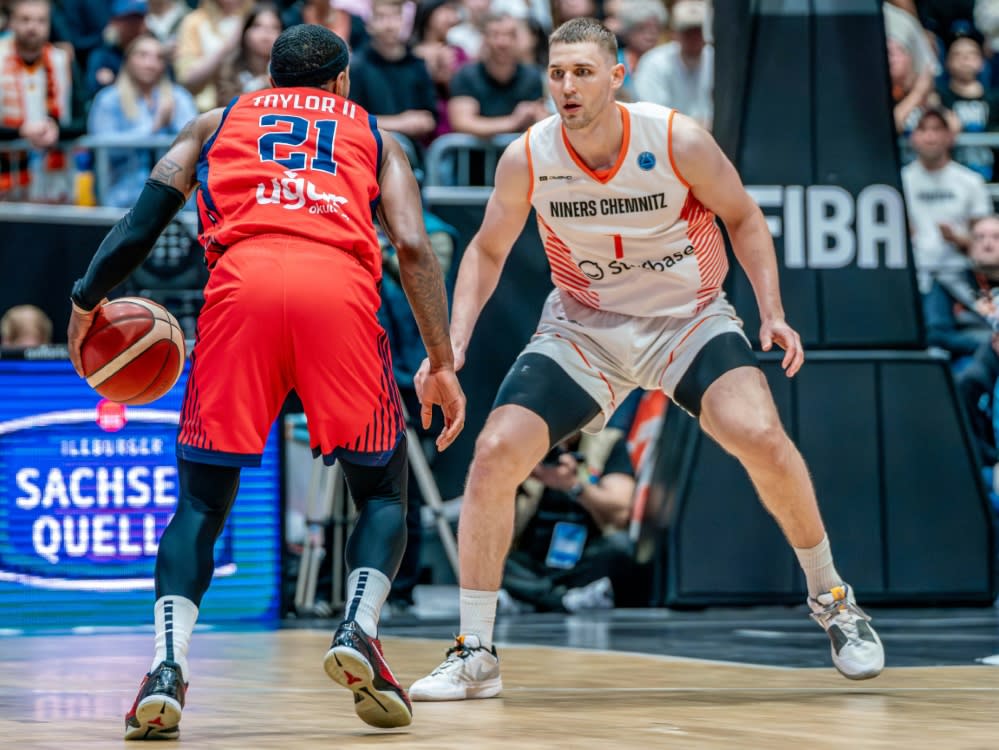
(469, 671)
(355, 661)
(155, 715)
(856, 649)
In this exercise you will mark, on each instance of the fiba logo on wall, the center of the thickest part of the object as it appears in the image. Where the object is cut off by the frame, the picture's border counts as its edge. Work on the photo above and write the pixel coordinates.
(89, 495)
(826, 226)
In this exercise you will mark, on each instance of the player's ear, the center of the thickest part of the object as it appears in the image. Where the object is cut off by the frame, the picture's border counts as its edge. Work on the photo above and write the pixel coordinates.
(341, 86)
(617, 76)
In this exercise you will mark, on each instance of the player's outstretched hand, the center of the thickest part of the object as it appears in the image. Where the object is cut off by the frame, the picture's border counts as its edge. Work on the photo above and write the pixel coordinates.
(79, 323)
(780, 333)
(441, 388)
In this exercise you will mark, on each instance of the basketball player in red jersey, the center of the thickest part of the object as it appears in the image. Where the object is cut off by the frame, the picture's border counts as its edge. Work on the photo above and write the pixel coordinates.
(288, 180)
(626, 197)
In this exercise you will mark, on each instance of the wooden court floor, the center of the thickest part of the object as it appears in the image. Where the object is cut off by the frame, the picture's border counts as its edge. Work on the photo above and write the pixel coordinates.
(267, 690)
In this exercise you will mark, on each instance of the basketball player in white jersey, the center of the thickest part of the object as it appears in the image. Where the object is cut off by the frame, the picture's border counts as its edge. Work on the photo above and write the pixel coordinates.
(626, 197)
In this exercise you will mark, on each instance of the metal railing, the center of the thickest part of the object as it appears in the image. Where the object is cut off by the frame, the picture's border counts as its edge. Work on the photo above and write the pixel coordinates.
(449, 158)
(446, 163)
(102, 147)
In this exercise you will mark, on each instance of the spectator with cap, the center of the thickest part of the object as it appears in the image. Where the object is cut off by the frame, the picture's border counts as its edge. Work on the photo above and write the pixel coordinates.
(680, 73)
(127, 23)
(84, 21)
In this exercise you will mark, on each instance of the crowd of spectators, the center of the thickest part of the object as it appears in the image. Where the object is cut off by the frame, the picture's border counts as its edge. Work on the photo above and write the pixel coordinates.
(139, 69)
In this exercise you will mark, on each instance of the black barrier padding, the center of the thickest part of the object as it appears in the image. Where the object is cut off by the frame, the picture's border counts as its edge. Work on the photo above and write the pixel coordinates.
(803, 99)
(40, 262)
(906, 513)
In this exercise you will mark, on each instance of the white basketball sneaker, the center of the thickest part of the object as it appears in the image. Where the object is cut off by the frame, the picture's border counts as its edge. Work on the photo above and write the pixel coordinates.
(856, 649)
(469, 671)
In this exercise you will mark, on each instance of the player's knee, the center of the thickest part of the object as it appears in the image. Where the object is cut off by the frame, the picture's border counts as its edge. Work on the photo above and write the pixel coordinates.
(763, 441)
(499, 457)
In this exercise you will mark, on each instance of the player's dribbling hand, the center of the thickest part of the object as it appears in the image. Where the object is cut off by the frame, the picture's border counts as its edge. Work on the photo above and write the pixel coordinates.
(80, 321)
(441, 388)
(780, 333)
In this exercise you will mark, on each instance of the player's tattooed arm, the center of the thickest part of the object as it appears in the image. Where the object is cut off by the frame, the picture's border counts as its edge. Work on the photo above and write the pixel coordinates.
(179, 166)
(400, 214)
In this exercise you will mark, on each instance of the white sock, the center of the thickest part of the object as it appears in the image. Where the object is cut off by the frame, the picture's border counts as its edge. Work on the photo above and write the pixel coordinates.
(817, 563)
(175, 617)
(478, 613)
(367, 590)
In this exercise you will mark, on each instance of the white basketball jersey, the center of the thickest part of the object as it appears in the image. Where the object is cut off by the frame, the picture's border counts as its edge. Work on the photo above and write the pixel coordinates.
(633, 240)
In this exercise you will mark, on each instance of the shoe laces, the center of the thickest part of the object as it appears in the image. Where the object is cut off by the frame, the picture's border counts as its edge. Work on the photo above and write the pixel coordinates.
(845, 614)
(456, 655)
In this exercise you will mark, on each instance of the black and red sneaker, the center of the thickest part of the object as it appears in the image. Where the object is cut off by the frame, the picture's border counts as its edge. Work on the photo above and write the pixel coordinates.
(155, 715)
(355, 661)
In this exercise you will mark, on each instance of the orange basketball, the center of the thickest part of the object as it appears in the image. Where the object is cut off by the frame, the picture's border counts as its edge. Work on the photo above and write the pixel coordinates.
(134, 351)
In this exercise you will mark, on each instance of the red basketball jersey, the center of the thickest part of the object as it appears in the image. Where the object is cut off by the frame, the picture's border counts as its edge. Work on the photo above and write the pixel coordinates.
(292, 161)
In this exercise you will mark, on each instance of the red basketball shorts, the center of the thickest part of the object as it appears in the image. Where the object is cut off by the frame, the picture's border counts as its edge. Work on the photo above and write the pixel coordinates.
(283, 313)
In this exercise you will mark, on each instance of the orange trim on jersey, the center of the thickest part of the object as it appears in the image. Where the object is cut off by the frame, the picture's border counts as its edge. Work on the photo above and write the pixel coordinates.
(669, 149)
(530, 164)
(603, 176)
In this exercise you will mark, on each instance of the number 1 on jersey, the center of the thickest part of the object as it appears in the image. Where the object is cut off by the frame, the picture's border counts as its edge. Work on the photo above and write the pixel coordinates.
(297, 135)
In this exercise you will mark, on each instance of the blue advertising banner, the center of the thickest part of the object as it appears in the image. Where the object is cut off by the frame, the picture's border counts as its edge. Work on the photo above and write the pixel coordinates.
(87, 487)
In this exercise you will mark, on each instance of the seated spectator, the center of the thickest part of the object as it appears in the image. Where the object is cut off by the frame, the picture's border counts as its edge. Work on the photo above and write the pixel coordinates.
(975, 108)
(163, 19)
(249, 70)
(641, 24)
(943, 198)
(571, 550)
(42, 101)
(912, 92)
(25, 326)
(977, 382)
(680, 73)
(434, 18)
(142, 102)
(209, 36)
(389, 81)
(469, 32)
(127, 22)
(498, 94)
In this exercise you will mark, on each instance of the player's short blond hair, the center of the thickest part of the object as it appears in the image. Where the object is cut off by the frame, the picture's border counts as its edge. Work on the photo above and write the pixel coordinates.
(579, 30)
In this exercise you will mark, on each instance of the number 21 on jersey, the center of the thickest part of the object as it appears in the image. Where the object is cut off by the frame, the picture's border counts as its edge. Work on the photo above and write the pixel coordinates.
(294, 132)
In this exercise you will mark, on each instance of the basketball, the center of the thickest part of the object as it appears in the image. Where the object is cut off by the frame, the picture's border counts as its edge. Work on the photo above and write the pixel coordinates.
(134, 351)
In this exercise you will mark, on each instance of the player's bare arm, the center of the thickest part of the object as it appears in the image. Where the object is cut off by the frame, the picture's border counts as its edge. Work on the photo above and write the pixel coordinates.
(400, 213)
(481, 266)
(130, 240)
(716, 184)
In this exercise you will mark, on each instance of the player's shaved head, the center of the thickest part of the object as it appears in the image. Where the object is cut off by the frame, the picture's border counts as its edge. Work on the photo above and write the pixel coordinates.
(308, 55)
(580, 30)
